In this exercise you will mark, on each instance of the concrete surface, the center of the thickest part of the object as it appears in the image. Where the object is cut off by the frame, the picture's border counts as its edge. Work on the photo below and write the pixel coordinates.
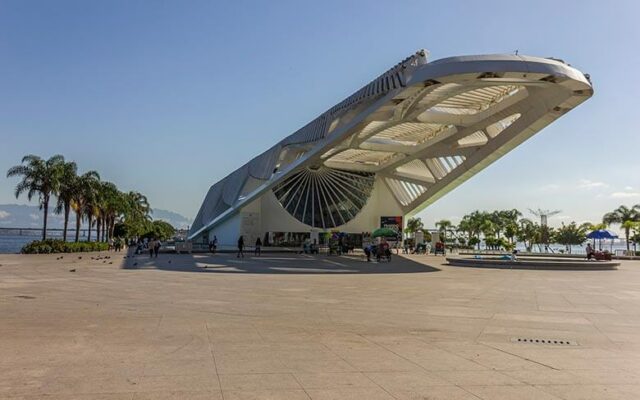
(296, 327)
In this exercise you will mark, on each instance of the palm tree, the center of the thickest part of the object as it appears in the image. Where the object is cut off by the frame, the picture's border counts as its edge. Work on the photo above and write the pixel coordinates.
(444, 226)
(65, 193)
(528, 233)
(82, 192)
(110, 206)
(137, 213)
(40, 177)
(620, 216)
(414, 225)
(571, 234)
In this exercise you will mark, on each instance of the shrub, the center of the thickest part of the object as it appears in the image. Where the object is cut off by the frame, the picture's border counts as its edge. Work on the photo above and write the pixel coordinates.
(50, 246)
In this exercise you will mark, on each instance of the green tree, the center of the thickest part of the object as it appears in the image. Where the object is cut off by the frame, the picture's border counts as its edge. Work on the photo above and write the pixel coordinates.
(160, 230)
(444, 226)
(66, 192)
(41, 177)
(622, 215)
(413, 225)
(571, 234)
(528, 233)
(137, 214)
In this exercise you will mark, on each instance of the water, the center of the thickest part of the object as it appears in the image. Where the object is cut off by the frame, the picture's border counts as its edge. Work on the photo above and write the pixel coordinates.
(13, 243)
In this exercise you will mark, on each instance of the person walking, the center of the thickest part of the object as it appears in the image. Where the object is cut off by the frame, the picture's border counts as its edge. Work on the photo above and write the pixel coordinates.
(258, 249)
(240, 247)
(151, 246)
(156, 247)
(215, 244)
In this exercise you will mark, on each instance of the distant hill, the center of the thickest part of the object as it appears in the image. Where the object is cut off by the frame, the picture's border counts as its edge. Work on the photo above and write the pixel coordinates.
(178, 221)
(27, 216)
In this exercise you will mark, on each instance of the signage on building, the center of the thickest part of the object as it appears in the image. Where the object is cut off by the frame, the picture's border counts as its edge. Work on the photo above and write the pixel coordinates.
(394, 223)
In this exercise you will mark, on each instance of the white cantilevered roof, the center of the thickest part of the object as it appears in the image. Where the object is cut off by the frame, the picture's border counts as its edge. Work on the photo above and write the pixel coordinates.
(424, 127)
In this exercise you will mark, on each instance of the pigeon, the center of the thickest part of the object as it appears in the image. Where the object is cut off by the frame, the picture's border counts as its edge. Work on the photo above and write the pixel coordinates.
(72, 270)
(79, 257)
(110, 262)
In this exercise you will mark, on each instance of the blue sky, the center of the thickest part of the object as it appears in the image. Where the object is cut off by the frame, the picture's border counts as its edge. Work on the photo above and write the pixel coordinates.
(167, 97)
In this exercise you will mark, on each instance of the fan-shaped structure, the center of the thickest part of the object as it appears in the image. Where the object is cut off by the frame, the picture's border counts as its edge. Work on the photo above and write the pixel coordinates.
(324, 197)
(393, 147)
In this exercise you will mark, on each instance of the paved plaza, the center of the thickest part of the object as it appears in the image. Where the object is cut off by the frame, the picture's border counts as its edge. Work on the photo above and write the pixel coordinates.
(300, 327)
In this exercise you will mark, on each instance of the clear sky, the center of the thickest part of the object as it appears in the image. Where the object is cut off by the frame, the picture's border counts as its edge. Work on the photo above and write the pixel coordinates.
(167, 97)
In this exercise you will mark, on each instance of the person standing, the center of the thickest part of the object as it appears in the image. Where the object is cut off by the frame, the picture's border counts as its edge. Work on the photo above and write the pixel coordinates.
(240, 247)
(215, 244)
(590, 252)
(258, 248)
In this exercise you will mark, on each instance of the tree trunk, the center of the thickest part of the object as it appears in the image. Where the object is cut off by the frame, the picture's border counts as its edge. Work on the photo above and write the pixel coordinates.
(89, 220)
(104, 229)
(626, 238)
(78, 219)
(66, 221)
(98, 225)
(45, 206)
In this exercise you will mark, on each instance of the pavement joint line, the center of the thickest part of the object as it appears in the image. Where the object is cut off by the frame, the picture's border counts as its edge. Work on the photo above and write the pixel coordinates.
(213, 357)
(416, 364)
(519, 356)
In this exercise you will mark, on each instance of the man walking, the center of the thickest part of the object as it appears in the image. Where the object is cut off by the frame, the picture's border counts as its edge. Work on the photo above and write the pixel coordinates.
(258, 247)
(240, 247)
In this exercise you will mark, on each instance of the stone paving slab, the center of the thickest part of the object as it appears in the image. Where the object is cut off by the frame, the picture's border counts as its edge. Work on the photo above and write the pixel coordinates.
(287, 326)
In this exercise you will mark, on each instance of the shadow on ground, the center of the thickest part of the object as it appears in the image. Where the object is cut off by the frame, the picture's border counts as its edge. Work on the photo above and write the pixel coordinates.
(273, 264)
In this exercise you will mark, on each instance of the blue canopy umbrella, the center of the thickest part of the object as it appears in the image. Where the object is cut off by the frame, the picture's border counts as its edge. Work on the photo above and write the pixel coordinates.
(602, 234)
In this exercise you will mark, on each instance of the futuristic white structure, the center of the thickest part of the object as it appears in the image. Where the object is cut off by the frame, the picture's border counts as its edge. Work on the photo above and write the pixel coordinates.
(393, 147)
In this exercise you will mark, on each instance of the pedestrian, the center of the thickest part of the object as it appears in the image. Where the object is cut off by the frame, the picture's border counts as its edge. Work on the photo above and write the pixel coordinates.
(215, 244)
(240, 247)
(156, 247)
(258, 248)
(590, 252)
(151, 246)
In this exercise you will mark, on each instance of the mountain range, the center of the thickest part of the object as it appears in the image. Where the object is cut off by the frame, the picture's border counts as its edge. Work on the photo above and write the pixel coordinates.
(27, 216)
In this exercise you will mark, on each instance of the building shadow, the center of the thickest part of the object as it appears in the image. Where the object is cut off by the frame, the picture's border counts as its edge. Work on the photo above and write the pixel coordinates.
(273, 263)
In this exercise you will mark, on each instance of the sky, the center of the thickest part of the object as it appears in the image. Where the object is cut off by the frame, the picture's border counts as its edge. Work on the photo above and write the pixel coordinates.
(168, 97)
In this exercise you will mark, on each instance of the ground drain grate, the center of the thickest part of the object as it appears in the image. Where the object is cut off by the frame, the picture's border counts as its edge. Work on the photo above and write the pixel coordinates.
(555, 342)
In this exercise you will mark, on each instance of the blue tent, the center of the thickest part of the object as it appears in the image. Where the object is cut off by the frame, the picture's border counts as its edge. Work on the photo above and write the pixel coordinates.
(602, 234)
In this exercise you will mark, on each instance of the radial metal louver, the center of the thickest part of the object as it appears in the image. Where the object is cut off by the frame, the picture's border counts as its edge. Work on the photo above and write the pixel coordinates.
(324, 197)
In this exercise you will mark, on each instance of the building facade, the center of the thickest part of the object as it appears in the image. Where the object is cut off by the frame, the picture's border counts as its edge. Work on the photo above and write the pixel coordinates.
(392, 148)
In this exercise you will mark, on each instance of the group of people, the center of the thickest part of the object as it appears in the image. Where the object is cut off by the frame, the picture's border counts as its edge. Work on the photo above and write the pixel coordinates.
(379, 251)
(153, 246)
(257, 249)
(116, 244)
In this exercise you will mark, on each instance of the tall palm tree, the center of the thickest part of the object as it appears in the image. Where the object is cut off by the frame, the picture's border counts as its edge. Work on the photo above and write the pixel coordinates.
(82, 192)
(444, 226)
(40, 177)
(620, 216)
(65, 193)
(110, 204)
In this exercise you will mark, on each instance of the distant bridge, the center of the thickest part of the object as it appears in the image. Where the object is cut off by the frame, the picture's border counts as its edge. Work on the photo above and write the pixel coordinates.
(38, 232)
